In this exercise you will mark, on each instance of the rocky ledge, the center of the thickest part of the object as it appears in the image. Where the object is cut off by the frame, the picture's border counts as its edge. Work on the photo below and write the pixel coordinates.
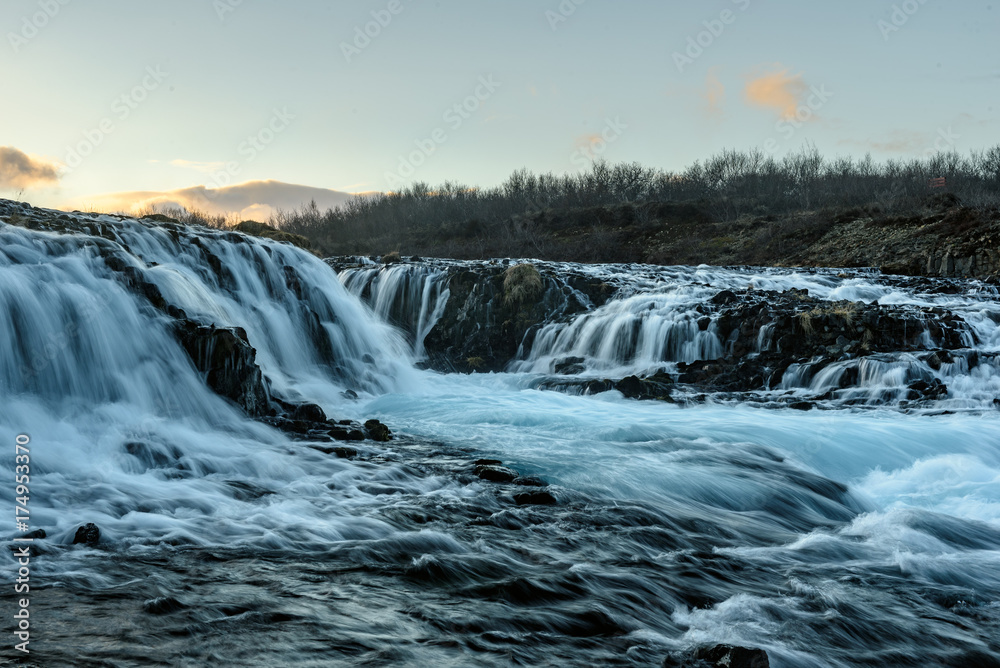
(223, 355)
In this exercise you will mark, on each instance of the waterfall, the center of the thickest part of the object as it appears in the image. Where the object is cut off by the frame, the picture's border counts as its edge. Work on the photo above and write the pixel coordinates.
(639, 332)
(411, 297)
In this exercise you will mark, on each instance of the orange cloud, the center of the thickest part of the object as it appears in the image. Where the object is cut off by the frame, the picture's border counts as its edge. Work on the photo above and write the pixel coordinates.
(587, 141)
(715, 92)
(778, 90)
(254, 200)
(18, 170)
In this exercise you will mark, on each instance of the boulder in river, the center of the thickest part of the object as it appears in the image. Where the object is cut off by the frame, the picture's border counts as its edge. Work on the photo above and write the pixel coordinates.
(88, 534)
(228, 362)
(378, 431)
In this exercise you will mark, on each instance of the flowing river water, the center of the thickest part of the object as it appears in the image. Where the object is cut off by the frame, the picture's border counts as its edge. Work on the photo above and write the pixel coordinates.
(855, 535)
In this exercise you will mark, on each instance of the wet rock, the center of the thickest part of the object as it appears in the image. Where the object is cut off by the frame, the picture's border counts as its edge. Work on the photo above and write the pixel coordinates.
(349, 394)
(570, 366)
(728, 656)
(724, 297)
(88, 534)
(494, 473)
(489, 314)
(228, 362)
(488, 462)
(37, 534)
(308, 413)
(342, 434)
(630, 386)
(529, 481)
(535, 498)
(162, 606)
(926, 390)
(341, 452)
(246, 491)
(802, 405)
(657, 386)
(154, 456)
(378, 431)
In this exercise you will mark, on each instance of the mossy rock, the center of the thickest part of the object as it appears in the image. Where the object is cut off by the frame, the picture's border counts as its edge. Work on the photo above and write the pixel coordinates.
(521, 284)
(265, 231)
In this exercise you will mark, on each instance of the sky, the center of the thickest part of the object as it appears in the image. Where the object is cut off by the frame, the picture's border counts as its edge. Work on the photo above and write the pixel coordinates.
(253, 105)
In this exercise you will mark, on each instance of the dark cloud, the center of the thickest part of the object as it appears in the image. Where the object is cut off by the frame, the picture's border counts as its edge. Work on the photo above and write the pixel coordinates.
(18, 170)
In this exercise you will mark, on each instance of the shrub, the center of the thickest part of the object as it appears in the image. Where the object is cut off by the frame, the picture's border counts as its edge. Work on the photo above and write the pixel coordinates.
(521, 283)
(255, 229)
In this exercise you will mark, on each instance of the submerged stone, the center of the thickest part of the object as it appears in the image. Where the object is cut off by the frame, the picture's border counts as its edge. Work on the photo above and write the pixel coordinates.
(88, 534)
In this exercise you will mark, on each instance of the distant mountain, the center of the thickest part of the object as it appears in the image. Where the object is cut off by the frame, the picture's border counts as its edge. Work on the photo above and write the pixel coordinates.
(255, 200)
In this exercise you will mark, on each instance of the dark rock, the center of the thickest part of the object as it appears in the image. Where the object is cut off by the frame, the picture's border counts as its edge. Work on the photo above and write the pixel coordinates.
(483, 325)
(529, 481)
(926, 390)
(341, 452)
(728, 656)
(630, 387)
(245, 491)
(802, 405)
(597, 386)
(349, 394)
(488, 462)
(37, 534)
(341, 434)
(308, 413)
(378, 431)
(535, 499)
(162, 606)
(724, 297)
(88, 534)
(493, 473)
(657, 386)
(570, 366)
(154, 456)
(228, 362)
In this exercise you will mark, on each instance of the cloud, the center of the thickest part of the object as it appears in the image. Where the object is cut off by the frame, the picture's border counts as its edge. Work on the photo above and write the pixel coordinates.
(715, 92)
(586, 141)
(203, 167)
(254, 200)
(18, 170)
(778, 90)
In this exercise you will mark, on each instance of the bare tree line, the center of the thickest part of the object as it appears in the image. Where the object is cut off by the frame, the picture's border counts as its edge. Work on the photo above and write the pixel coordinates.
(727, 186)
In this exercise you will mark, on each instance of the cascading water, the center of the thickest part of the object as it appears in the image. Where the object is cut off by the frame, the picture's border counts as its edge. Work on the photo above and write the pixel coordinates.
(408, 296)
(834, 537)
